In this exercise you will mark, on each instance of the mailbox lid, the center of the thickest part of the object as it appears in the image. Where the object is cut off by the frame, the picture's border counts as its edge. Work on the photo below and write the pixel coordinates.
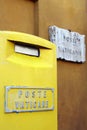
(26, 38)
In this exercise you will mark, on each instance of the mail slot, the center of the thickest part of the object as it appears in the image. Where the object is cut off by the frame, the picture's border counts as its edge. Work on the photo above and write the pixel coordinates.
(28, 82)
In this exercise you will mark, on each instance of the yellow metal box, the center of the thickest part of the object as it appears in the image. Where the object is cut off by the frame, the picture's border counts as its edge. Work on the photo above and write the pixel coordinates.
(28, 82)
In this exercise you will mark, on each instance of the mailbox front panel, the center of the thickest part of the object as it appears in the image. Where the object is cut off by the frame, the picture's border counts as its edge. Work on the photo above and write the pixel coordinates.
(28, 85)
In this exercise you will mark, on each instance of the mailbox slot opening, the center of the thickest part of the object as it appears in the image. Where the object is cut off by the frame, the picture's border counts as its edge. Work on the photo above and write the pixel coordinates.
(26, 48)
(37, 54)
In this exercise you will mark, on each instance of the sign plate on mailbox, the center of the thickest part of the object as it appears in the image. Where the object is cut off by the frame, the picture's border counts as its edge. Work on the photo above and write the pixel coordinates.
(25, 99)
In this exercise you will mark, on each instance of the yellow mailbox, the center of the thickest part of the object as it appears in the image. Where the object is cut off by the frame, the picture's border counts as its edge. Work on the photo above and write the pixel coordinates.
(28, 82)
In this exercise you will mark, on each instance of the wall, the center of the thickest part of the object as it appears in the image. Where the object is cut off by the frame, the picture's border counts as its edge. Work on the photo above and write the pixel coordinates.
(17, 15)
(72, 85)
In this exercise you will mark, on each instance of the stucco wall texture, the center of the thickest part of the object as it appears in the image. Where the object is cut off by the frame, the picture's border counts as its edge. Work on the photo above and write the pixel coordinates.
(35, 17)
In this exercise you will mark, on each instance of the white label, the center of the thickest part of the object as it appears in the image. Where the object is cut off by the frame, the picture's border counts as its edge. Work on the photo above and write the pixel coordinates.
(26, 50)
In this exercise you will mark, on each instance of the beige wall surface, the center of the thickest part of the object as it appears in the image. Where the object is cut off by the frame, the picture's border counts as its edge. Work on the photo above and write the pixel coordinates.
(35, 18)
(72, 77)
(17, 15)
